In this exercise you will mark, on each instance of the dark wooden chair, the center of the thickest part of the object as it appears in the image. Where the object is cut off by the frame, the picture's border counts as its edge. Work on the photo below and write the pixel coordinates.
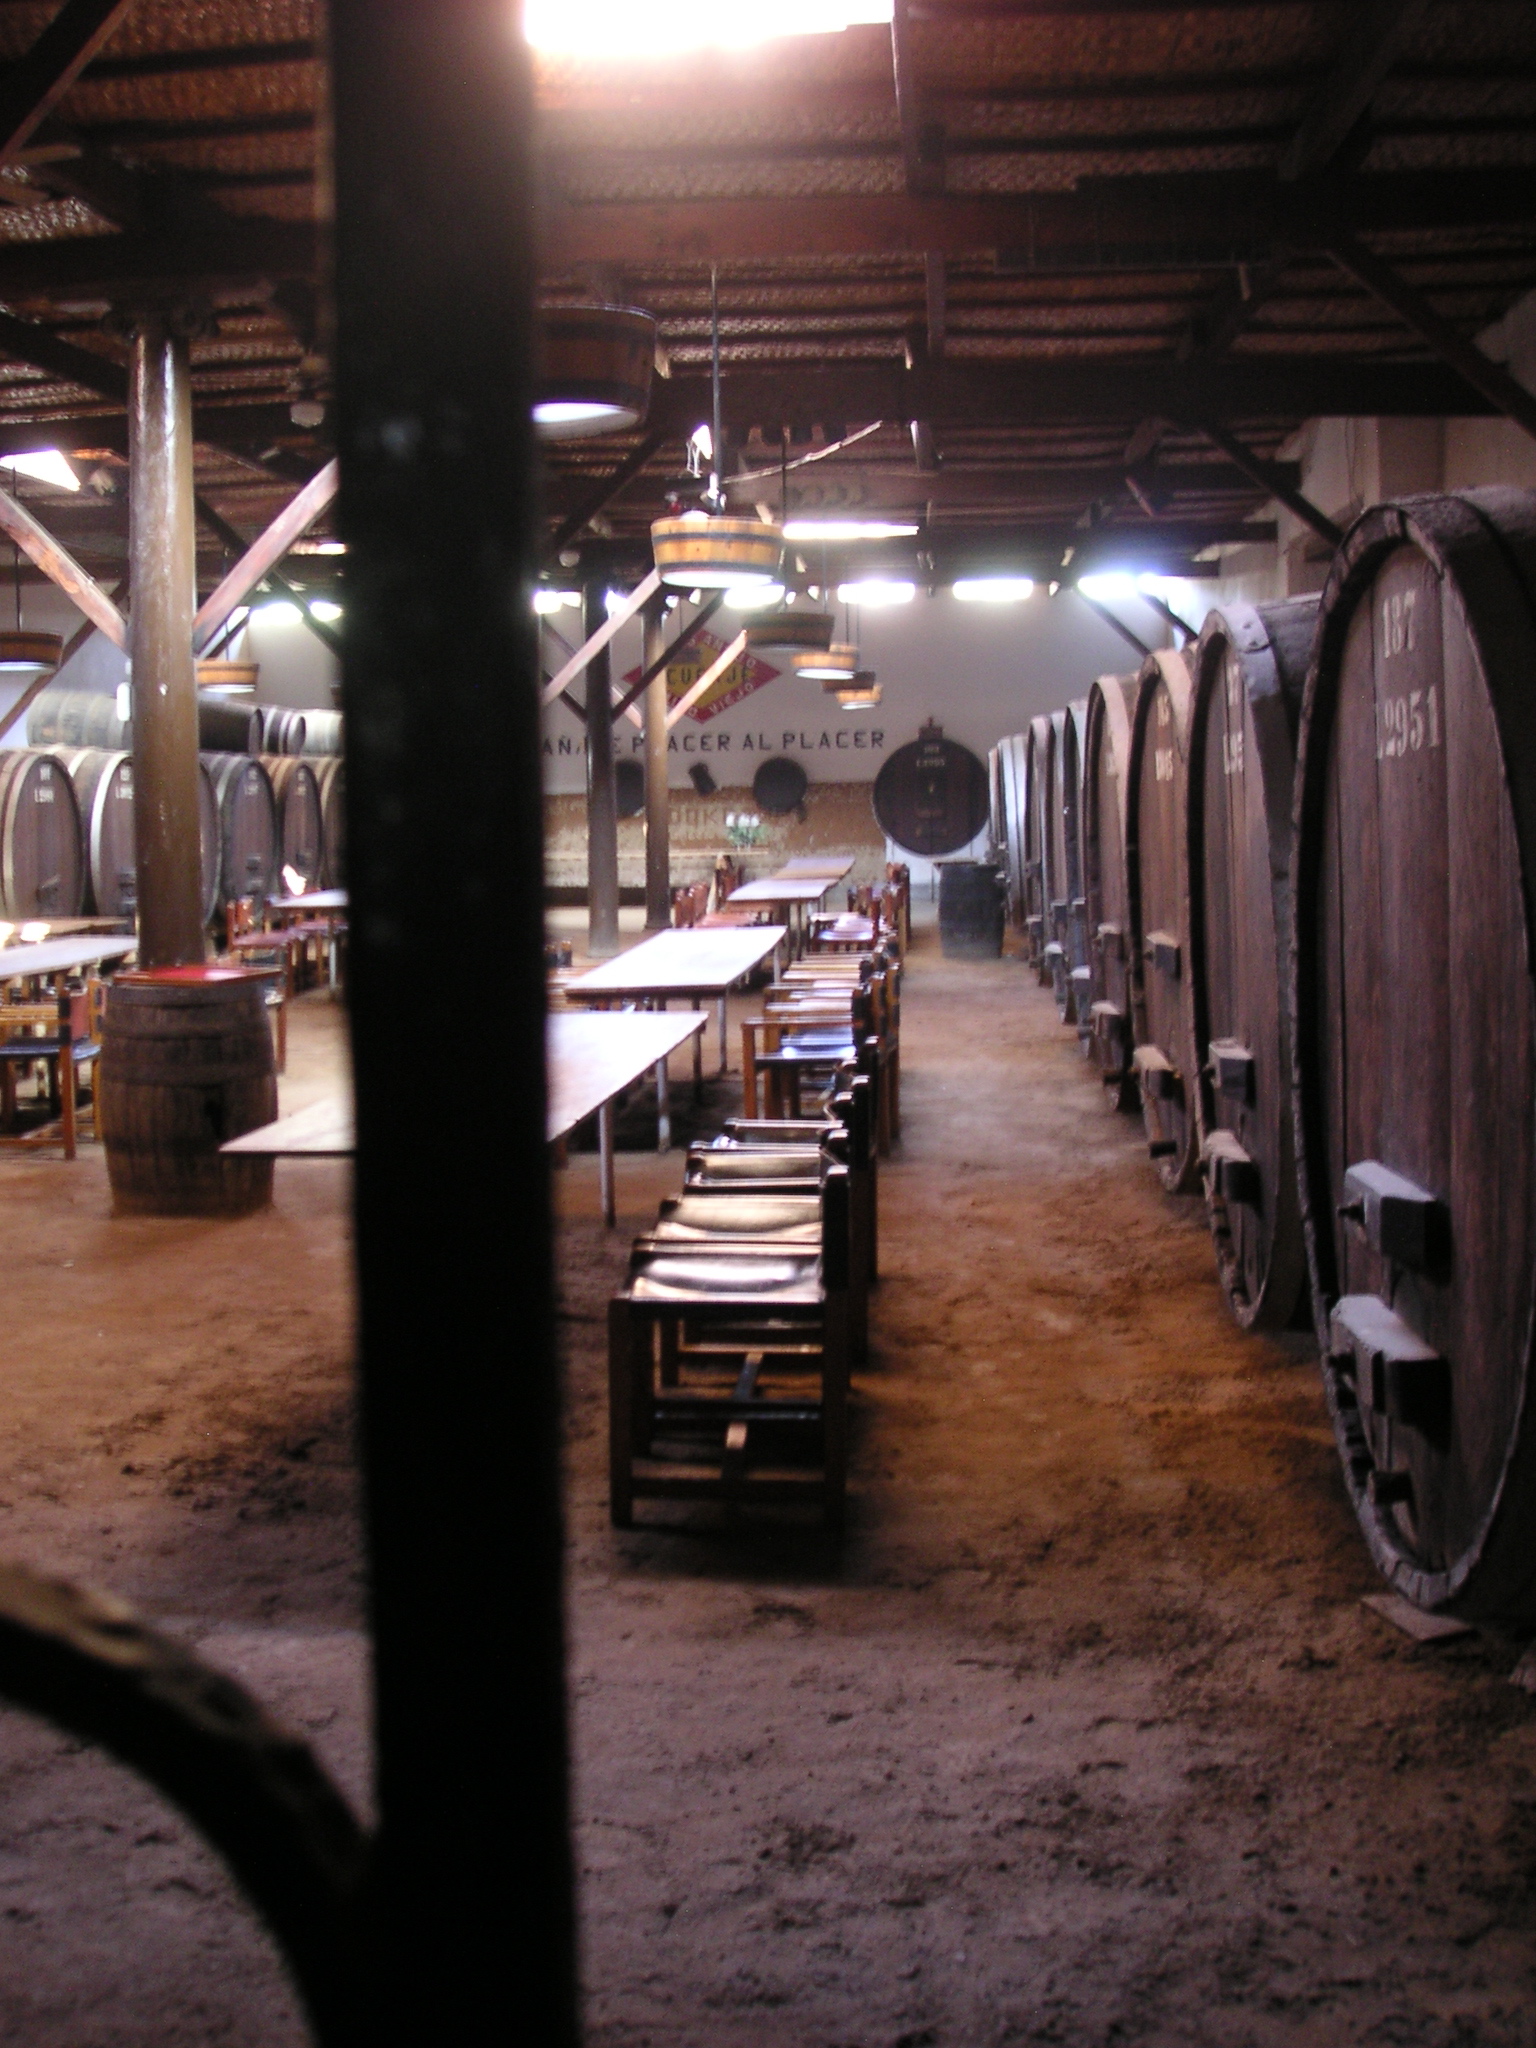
(60, 1035)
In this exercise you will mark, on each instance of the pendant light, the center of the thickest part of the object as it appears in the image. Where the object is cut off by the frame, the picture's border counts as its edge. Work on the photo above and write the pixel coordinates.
(791, 632)
(706, 550)
(22, 650)
(594, 370)
(837, 664)
(863, 694)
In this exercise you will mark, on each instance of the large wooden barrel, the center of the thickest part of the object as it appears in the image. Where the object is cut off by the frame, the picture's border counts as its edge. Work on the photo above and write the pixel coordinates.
(931, 795)
(282, 731)
(1415, 1038)
(42, 861)
(1157, 900)
(1068, 950)
(322, 732)
(248, 859)
(1011, 779)
(186, 1064)
(970, 910)
(103, 785)
(1036, 931)
(1248, 672)
(1106, 907)
(300, 817)
(227, 725)
(78, 718)
(331, 777)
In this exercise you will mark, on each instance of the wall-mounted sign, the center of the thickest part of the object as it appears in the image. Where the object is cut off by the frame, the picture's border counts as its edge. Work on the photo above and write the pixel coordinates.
(745, 675)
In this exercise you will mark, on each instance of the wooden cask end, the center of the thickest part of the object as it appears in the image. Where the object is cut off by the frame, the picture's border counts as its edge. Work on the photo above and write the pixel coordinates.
(103, 783)
(1248, 671)
(186, 1064)
(1036, 931)
(227, 725)
(300, 817)
(247, 826)
(1414, 1023)
(1012, 775)
(1068, 952)
(78, 718)
(930, 796)
(1157, 895)
(210, 840)
(1106, 907)
(42, 859)
(331, 777)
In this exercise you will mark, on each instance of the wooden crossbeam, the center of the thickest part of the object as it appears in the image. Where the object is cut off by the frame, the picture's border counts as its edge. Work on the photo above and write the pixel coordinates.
(922, 140)
(700, 619)
(60, 567)
(614, 623)
(711, 676)
(265, 552)
(1113, 619)
(274, 580)
(601, 497)
(33, 86)
(1373, 37)
(1501, 390)
(1268, 477)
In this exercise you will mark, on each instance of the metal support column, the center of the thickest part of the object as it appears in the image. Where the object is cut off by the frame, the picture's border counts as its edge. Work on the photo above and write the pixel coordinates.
(162, 552)
(658, 820)
(471, 1922)
(602, 796)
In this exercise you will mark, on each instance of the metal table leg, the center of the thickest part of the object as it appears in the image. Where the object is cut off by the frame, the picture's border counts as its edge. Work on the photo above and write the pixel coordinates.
(663, 1107)
(725, 1061)
(698, 1060)
(605, 1162)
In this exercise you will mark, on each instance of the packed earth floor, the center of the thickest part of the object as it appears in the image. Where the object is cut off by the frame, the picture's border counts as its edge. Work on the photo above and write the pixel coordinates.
(1081, 1735)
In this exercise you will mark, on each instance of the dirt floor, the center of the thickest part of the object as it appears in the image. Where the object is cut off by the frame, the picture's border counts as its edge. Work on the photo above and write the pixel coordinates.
(1082, 1735)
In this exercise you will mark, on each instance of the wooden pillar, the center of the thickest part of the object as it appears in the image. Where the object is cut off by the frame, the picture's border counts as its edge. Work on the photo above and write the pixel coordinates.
(658, 817)
(602, 797)
(163, 568)
(472, 1922)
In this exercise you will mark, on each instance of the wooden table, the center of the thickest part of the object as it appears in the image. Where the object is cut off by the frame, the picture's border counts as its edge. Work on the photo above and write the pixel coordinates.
(64, 956)
(697, 965)
(322, 906)
(792, 893)
(833, 865)
(589, 1061)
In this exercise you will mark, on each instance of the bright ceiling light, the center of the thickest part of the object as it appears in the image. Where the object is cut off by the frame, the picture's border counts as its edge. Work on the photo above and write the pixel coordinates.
(572, 418)
(836, 664)
(849, 529)
(754, 596)
(47, 465)
(1113, 584)
(279, 613)
(658, 28)
(876, 591)
(547, 601)
(993, 589)
(325, 611)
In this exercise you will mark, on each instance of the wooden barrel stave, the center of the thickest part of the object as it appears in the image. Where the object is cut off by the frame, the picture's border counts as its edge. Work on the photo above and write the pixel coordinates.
(103, 785)
(1248, 671)
(248, 857)
(1106, 912)
(300, 817)
(330, 775)
(1157, 902)
(42, 863)
(1036, 928)
(1415, 1038)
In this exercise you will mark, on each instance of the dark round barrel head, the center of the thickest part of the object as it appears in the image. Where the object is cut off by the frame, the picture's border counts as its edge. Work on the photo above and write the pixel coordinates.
(779, 786)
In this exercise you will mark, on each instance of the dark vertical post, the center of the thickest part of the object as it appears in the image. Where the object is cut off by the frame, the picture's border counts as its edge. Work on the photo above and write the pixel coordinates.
(473, 1927)
(162, 560)
(658, 818)
(602, 797)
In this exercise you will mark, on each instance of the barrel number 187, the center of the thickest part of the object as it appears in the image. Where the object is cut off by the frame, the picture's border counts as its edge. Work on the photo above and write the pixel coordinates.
(1405, 725)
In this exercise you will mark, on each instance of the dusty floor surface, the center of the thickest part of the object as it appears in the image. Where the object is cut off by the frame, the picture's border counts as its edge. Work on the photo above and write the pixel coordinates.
(1081, 1737)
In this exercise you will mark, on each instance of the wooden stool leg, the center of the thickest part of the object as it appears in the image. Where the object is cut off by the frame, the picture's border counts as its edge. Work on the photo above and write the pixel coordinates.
(66, 1070)
(621, 1413)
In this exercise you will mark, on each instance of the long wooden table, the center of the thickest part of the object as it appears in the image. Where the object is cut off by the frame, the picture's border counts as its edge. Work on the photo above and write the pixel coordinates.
(833, 865)
(693, 965)
(793, 894)
(64, 956)
(589, 1061)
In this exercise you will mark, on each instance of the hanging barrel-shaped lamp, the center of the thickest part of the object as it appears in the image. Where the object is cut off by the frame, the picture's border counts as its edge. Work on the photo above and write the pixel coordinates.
(862, 694)
(835, 666)
(697, 551)
(21, 650)
(790, 632)
(594, 370)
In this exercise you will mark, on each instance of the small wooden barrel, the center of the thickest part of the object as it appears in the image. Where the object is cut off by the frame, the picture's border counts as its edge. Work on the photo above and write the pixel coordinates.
(42, 859)
(331, 778)
(283, 731)
(1415, 1038)
(103, 785)
(300, 817)
(247, 826)
(227, 726)
(1248, 672)
(78, 718)
(186, 1064)
(322, 732)
(1106, 911)
(1036, 932)
(970, 910)
(1157, 895)
(931, 795)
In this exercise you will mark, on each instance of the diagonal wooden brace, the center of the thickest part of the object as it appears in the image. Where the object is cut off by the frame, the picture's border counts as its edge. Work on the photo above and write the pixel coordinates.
(711, 675)
(614, 623)
(265, 552)
(60, 566)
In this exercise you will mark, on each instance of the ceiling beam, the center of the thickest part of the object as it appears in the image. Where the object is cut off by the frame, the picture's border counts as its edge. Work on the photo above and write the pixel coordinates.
(60, 567)
(1374, 34)
(1269, 477)
(32, 86)
(274, 580)
(237, 255)
(220, 57)
(876, 486)
(1491, 379)
(922, 139)
(265, 552)
(601, 495)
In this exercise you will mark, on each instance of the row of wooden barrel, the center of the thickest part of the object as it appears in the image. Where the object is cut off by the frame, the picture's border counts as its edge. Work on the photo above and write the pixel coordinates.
(1285, 884)
(67, 834)
(225, 725)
